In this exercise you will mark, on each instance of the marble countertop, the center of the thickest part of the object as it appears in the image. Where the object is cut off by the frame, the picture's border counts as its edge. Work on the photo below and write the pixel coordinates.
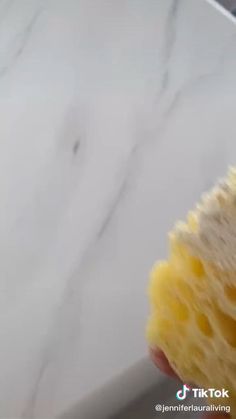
(115, 116)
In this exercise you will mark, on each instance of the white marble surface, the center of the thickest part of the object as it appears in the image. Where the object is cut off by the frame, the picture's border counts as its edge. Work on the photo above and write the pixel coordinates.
(114, 117)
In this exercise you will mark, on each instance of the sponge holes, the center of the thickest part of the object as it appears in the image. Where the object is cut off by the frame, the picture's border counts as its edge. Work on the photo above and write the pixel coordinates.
(203, 324)
(184, 290)
(230, 293)
(196, 267)
(226, 326)
(179, 310)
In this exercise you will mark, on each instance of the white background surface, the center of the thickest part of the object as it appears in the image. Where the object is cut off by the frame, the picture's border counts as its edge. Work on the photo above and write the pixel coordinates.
(115, 116)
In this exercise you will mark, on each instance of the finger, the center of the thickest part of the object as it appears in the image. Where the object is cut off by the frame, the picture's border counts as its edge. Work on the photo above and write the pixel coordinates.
(161, 362)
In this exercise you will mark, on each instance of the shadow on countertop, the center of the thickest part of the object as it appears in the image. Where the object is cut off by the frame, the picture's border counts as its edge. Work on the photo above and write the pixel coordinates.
(229, 5)
(161, 394)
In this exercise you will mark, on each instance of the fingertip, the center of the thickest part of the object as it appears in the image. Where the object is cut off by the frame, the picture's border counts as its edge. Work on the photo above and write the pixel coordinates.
(162, 363)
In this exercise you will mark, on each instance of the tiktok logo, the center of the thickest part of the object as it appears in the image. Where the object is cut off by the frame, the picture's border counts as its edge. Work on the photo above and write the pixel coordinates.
(182, 394)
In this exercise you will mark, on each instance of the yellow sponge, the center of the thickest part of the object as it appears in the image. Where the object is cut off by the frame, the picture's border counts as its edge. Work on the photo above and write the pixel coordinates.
(193, 295)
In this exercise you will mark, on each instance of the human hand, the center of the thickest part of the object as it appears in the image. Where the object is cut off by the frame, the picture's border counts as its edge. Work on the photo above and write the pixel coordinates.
(160, 360)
